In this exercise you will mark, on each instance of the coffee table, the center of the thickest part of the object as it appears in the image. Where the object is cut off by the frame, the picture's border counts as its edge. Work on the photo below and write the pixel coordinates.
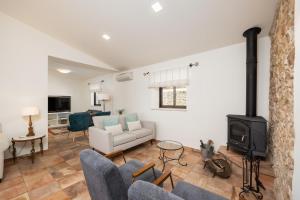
(170, 145)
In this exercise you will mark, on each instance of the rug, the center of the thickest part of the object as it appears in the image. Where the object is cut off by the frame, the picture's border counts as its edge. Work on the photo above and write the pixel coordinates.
(58, 131)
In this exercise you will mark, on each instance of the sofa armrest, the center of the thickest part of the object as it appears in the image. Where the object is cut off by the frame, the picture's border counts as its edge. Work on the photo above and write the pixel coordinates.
(101, 140)
(149, 125)
(141, 190)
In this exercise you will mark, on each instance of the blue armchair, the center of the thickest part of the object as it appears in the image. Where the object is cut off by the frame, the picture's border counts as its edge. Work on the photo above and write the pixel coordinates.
(79, 122)
(141, 190)
(106, 181)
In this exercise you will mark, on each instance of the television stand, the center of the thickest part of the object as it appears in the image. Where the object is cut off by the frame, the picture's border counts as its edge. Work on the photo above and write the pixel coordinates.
(58, 119)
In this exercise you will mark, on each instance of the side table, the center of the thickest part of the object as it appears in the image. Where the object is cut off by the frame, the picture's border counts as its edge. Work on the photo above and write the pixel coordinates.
(31, 139)
(169, 145)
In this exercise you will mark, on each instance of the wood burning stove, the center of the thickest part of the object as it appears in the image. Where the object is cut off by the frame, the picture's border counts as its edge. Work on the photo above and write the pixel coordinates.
(249, 132)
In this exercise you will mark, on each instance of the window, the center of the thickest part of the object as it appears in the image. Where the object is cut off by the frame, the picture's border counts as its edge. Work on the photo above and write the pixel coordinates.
(172, 97)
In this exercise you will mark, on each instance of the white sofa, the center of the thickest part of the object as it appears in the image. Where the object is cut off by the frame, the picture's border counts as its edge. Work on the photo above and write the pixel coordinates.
(105, 142)
(4, 144)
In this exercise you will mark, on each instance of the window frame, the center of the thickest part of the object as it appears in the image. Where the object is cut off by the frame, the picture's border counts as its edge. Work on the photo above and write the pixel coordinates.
(174, 106)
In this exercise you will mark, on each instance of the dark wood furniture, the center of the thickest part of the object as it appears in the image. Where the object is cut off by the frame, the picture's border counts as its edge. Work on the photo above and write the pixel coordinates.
(26, 139)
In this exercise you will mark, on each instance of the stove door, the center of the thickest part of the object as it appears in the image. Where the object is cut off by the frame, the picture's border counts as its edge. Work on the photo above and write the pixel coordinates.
(239, 134)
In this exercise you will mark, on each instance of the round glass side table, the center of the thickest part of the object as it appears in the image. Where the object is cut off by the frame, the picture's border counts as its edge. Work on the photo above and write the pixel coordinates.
(170, 145)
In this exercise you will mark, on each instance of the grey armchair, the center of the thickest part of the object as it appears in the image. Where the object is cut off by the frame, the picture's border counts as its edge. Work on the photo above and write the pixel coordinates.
(141, 190)
(106, 181)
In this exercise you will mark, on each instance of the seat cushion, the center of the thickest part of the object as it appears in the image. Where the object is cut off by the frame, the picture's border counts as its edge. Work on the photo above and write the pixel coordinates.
(191, 192)
(114, 130)
(143, 132)
(123, 138)
(127, 169)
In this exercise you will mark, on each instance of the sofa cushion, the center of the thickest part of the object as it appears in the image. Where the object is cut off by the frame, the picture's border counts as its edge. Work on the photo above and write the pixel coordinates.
(143, 132)
(98, 121)
(111, 121)
(136, 125)
(114, 130)
(130, 118)
(123, 138)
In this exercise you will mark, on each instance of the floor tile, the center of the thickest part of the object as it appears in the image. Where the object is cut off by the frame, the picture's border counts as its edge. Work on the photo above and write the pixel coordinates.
(37, 179)
(13, 191)
(77, 191)
(58, 173)
(24, 196)
(44, 191)
(71, 179)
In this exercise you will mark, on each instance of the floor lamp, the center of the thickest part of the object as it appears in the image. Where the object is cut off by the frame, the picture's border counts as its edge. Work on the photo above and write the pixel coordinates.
(103, 97)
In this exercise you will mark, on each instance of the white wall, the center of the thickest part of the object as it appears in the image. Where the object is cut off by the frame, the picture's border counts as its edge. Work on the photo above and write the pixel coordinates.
(24, 55)
(217, 88)
(64, 85)
(296, 181)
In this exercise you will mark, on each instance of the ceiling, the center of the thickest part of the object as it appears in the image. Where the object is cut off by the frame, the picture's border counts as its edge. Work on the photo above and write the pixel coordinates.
(140, 36)
(78, 70)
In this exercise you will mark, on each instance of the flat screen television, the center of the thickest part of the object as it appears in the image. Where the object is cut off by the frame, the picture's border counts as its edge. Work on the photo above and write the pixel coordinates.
(59, 104)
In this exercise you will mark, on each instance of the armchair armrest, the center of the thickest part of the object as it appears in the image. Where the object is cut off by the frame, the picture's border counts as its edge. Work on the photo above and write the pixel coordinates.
(163, 178)
(115, 154)
(101, 140)
(144, 169)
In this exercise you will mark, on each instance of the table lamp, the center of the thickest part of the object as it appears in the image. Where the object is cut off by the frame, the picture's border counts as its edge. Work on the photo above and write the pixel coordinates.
(30, 111)
(103, 97)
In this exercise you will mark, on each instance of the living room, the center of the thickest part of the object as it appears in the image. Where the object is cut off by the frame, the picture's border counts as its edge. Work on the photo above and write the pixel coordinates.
(166, 79)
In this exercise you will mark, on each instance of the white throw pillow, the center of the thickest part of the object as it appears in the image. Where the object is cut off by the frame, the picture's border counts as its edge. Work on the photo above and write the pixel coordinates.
(134, 125)
(114, 130)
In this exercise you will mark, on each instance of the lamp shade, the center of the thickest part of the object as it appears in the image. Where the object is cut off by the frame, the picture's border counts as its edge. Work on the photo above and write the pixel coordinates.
(27, 111)
(103, 97)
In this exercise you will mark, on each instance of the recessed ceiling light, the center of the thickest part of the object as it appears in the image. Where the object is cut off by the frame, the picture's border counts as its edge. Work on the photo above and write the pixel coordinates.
(63, 71)
(157, 7)
(105, 37)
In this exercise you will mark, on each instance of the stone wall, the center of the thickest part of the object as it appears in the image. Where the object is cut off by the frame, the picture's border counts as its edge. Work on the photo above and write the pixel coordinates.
(281, 103)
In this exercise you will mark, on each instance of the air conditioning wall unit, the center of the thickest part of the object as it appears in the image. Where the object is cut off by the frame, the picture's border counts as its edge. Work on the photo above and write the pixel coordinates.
(127, 76)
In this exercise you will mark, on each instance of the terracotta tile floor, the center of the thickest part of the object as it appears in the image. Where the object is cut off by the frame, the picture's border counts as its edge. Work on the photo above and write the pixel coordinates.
(57, 174)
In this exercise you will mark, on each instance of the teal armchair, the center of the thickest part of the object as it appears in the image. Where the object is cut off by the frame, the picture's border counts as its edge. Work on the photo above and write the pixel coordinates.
(79, 122)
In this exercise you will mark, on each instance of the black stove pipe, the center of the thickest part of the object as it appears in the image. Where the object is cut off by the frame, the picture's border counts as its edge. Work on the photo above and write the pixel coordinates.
(251, 76)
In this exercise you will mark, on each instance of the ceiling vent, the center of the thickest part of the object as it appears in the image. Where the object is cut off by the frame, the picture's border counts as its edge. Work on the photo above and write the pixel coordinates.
(128, 76)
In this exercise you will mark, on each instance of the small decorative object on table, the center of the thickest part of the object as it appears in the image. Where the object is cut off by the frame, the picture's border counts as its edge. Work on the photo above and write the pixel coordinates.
(218, 166)
(31, 139)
